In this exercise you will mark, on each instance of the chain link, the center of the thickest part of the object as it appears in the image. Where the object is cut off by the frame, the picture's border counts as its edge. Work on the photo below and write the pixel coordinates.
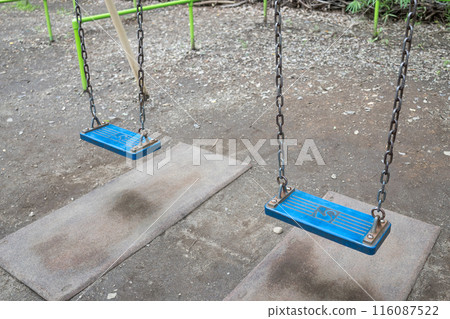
(86, 66)
(281, 179)
(389, 154)
(140, 36)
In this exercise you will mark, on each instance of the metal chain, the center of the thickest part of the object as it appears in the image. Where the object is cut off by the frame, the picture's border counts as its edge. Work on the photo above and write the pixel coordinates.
(86, 66)
(140, 36)
(281, 179)
(389, 154)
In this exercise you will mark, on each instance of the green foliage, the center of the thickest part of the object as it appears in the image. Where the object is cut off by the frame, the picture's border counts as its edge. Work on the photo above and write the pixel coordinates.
(26, 6)
(390, 8)
(355, 6)
(385, 16)
(447, 14)
(386, 6)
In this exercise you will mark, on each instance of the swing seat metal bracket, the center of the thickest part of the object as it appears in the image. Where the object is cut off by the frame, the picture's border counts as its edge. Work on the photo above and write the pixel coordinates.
(275, 201)
(90, 129)
(141, 146)
(338, 223)
(374, 234)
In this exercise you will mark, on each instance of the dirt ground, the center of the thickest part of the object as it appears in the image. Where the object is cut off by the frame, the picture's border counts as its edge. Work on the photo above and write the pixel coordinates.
(339, 90)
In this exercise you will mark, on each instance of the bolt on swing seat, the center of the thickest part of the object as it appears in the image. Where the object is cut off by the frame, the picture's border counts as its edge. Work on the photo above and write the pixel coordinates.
(335, 222)
(120, 141)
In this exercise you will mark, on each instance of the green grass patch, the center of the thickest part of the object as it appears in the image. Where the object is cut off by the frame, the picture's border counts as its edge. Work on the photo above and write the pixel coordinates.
(26, 6)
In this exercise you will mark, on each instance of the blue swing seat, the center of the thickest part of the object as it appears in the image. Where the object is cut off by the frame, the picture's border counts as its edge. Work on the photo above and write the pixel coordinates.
(120, 141)
(343, 225)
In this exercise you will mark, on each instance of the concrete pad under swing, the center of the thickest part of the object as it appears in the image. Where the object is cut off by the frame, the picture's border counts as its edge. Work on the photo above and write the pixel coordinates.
(304, 266)
(62, 253)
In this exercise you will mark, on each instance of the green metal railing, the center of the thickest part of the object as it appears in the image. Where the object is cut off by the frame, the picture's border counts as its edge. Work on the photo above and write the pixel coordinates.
(5, 1)
(129, 11)
(265, 11)
(375, 19)
(47, 16)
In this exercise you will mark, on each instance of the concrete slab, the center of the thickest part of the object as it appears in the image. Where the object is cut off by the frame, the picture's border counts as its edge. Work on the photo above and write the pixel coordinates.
(304, 266)
(62, 253)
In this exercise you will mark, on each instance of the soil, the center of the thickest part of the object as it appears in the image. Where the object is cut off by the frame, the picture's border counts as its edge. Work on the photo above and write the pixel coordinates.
(339, 88)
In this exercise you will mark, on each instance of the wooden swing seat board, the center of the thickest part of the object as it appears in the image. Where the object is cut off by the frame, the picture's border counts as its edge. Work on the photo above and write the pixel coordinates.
(119, 141)
(338, 223)
(304, 266)
(63, 252)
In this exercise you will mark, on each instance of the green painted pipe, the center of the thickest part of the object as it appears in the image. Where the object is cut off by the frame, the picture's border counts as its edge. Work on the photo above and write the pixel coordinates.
(375, 19)
(133, 10)
(80, 57)
(265, 11)
(6, 1)
(47, 18)
(191, 24)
